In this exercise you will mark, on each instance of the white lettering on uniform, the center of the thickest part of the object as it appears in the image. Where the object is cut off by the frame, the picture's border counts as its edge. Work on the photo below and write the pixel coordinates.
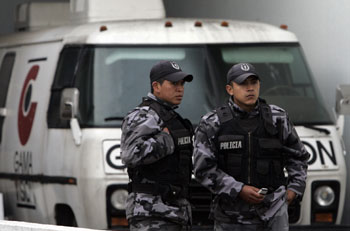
(230, 145)
(184, 140)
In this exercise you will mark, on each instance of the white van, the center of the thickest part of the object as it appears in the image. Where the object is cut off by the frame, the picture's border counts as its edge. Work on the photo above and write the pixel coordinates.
(65, 90)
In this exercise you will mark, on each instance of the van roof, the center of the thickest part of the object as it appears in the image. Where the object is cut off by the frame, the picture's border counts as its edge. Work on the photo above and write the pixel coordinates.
(155, 31)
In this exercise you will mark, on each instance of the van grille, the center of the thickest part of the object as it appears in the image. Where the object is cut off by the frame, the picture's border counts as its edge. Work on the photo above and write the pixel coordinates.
(200, 200)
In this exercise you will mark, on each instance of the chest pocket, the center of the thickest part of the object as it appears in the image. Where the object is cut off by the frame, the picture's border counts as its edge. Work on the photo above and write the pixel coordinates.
(270, 148)
(231, 149)
(269, 164)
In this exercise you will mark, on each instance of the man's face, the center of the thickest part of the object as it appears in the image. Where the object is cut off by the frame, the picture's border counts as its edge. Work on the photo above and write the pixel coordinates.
(245, 94)
(171, 92)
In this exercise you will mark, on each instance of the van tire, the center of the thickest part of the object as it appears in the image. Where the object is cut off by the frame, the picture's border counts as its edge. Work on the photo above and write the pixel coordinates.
(64, 216)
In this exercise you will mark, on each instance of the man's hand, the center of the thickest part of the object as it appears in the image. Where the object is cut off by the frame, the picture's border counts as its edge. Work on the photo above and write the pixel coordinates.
(250, 195)
(290, 196)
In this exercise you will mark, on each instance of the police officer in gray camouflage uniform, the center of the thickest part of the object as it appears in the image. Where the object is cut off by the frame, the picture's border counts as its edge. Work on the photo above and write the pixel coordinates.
(156, 146)
(244, 146)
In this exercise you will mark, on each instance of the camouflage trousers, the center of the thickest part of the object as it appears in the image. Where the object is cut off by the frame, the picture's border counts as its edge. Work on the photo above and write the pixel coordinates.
(278, 223)
(154, 224)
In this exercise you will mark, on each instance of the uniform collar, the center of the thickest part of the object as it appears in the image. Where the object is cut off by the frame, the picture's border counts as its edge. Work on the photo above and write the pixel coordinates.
(162, 102)
(240, 113)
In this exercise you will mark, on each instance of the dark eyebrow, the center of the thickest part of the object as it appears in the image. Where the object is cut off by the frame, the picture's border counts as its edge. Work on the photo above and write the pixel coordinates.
(180, 81)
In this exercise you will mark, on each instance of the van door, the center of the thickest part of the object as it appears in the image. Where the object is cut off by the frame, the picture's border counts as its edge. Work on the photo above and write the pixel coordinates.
(23, 159)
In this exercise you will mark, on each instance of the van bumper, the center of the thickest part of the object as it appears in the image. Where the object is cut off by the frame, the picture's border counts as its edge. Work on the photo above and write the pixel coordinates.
(297, 228)
(291, 228)
(320, 228)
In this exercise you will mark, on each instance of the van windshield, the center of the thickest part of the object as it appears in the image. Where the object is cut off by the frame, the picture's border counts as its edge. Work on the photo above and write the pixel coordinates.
(114, 80)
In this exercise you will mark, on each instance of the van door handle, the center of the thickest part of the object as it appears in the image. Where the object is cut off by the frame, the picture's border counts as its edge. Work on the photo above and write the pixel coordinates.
(3, 111)
(76, 131)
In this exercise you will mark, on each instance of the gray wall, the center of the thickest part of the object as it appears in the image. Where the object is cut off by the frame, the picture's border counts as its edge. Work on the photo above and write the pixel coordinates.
(7, 13)
(321, 26)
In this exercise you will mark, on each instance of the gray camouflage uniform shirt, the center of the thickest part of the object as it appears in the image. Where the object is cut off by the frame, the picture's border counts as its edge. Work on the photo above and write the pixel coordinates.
(143, 142)
(219, 183)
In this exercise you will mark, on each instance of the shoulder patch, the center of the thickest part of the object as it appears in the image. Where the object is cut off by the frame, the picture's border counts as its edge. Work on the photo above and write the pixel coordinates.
(138, 110)
(210, 115)
(276, 109)
(211, 119)
(143, 108)
(141, 112)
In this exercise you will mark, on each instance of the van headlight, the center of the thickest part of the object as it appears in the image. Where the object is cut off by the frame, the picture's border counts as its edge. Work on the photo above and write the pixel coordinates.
(118, 199)
(325, 201)
(324, 196)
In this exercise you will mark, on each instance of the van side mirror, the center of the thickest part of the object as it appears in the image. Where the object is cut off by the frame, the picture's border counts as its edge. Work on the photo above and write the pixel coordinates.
(69, 106)
(69, 103)
(342, 104)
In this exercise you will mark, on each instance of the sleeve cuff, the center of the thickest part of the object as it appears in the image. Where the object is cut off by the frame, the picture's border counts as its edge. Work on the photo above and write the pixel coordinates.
(297, 193)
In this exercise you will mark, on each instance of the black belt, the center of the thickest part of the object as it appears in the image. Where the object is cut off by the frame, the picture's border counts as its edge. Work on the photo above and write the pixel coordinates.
(143, 188)
(159, 189)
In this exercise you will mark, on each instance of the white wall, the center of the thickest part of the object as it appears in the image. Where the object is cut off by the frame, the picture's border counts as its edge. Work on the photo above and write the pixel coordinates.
(321, 26)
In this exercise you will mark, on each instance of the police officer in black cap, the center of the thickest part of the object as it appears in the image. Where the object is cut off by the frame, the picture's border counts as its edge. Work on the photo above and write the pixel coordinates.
(156, 146)
(241, 150)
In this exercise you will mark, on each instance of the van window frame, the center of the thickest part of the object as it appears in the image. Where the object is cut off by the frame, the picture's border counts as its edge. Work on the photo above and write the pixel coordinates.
(64, 78)
(6, 69)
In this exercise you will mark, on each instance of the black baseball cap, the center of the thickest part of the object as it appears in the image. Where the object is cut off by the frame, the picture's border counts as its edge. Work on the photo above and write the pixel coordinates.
(170, 71)
(240, 72)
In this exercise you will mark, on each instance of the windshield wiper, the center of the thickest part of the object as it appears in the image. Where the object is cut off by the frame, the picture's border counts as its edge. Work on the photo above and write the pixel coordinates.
(114, 118)
(323, 130)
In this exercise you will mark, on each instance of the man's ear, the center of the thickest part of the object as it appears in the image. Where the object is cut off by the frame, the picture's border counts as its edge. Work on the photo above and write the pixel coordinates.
(155, 86)
(229, 89)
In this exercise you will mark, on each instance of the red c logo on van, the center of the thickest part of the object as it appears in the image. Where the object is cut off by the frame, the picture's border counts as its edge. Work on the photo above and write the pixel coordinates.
(26, 108)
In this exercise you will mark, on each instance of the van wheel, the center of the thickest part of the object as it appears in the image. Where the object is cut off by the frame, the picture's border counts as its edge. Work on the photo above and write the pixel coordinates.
(65, 216)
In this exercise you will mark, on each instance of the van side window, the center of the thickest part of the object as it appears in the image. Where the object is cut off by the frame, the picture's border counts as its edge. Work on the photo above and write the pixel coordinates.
(5, 75)
(64, 78)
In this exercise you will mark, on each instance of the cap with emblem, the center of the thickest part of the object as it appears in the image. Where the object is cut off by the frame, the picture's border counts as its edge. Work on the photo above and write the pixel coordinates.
(170, 71)
(240, 72)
